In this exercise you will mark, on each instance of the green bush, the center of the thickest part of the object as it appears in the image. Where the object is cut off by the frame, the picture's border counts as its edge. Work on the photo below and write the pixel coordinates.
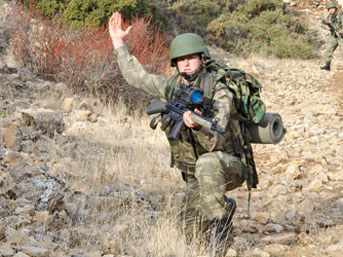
(96, 12)
(264, 27)
(188, 16)
(45, 7)
(90, 12)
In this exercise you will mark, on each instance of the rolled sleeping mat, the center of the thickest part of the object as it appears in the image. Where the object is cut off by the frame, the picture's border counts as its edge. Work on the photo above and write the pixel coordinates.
(269, 130)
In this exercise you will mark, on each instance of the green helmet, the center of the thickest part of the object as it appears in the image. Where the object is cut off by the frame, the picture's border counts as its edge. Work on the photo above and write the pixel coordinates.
(332, 5)
(186, 44)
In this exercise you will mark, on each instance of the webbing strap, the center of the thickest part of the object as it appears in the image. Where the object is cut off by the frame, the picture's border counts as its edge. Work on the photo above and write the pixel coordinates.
(249, 200)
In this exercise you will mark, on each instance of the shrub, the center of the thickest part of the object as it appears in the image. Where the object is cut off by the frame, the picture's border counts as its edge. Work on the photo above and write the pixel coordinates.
(193, 17)
(263, 27)
(78, 13)
(84, 59)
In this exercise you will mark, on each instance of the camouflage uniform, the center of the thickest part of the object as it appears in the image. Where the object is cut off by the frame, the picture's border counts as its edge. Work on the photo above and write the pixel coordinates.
(208, 162)
(333, 42)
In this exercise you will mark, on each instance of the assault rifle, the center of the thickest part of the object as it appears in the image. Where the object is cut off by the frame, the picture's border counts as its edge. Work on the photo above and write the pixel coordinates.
(186, 98)
(332, 30)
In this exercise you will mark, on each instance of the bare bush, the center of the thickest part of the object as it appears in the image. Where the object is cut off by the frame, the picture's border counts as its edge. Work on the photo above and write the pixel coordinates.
(83, 59)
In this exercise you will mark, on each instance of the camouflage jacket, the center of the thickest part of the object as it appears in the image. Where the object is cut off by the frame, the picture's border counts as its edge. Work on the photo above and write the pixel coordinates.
(336, 20)
(183, 152)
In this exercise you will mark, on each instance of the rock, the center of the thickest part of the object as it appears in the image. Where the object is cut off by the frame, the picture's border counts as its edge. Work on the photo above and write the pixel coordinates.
(231, 253)
(41, 216)
(261, 217)
(293, 171)
(35, 251)
(10, 158)
(21, 254)
(17, 237)
(67, 104)
(315, 185)
(335, 248)
(11, 136)
(60, 88)
(259, 253)
(6, 250)
(27, 210)
(276, 249)
(272, 228)
(335, 176)
(283, 238)
(82, 115)
(249, 226)
(46, 120)
(306, 206)
(94, 254)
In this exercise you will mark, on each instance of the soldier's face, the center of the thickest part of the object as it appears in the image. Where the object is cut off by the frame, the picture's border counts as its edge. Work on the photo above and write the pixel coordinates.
(189, 63)
(332, 10)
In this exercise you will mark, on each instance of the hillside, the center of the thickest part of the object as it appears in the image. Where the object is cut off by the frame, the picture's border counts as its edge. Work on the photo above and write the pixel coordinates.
(81, 179)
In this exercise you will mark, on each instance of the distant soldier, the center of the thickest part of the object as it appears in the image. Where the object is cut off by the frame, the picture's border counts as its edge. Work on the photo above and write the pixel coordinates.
(334, 24)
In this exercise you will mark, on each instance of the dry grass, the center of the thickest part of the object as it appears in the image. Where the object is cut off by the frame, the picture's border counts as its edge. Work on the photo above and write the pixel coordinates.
(123, 150)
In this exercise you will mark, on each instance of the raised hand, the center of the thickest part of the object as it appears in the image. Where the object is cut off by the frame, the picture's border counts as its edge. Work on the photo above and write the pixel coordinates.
(116, 31)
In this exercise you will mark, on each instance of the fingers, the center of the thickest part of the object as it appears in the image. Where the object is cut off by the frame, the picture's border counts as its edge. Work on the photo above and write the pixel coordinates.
(198, 112)
(187, 119)
(116, 23)
(128, 30)
(118, 19)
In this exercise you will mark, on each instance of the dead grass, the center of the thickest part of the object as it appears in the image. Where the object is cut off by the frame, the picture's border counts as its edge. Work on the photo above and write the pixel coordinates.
(120, 149)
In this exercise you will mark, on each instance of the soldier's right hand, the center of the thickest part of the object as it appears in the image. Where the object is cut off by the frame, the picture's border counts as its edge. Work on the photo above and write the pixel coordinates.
(116, 31)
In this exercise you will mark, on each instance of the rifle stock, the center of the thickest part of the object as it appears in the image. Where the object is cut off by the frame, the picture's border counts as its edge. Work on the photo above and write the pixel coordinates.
(156, 106)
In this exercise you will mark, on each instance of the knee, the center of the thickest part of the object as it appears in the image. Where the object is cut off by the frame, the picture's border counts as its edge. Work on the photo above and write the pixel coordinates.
(208, 163)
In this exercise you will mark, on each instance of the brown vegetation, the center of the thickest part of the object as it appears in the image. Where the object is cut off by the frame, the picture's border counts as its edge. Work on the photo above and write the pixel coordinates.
(84, 59)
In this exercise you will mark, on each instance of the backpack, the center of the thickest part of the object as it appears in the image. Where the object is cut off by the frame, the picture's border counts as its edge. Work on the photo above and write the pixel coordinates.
(250, 109)
(245, 88)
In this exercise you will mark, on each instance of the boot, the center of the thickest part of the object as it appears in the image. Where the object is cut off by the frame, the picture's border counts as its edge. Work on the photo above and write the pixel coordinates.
(225, 226)
(221, 234)
(326, 66)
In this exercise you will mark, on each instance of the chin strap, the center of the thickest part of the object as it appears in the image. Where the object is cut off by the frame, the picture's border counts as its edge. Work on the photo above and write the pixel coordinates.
(191, 77)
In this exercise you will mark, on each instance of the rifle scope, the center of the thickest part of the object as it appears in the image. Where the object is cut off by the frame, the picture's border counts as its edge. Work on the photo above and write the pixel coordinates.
(195, 96)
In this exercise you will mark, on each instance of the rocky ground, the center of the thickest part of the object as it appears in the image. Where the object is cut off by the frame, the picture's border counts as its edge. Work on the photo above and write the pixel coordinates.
(295, 211)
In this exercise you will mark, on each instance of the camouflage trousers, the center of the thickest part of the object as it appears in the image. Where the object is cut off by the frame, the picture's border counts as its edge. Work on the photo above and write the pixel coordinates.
(214, 174)
(331, 46)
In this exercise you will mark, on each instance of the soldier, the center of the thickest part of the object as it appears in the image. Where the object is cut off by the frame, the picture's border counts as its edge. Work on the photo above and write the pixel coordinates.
(209, 162)
(334, 24)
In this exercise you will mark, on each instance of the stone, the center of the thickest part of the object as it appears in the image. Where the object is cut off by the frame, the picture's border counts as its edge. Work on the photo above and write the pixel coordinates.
(259, 253)
(231, 253)
(46, 120)
(11, 158)
(35, 251)
(283, 238)
(272, 228)
(306, 206)
(261, 217)
(21, 254)
(276, 249)
(11, 136)
(68, 104)
(293, 171)
(82, 115)
(94, 254)
(6, 250)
